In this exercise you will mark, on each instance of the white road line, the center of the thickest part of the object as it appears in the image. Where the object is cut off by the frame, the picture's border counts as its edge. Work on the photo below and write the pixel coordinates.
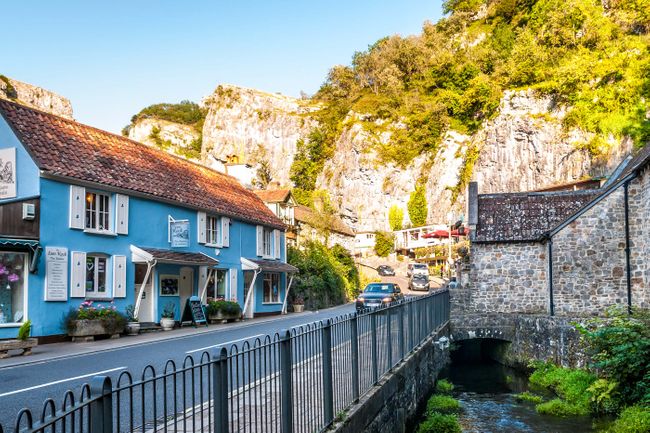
(227, 342)
(18, 391)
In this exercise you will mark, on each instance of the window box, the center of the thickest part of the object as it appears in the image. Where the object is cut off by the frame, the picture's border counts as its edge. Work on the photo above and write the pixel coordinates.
(86, 330)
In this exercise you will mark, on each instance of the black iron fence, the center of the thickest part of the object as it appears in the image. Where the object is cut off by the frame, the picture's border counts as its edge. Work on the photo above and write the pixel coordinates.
(299, 380)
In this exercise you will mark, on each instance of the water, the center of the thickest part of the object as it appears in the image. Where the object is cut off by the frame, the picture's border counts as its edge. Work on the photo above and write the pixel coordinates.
(486, 392)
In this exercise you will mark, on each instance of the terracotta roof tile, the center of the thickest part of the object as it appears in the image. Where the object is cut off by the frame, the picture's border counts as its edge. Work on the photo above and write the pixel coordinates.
(67, 149)
(272, 195)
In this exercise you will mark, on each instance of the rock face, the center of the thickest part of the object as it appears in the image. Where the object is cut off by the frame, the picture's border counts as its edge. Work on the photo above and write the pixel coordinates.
(524, 147)
(35, 97)
(179, 135)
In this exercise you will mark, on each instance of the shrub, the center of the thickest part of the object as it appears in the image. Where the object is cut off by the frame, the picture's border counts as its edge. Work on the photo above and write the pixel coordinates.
(440, 423)
(567, 383)
(442, 404)
(529, 397)
(384, 243)
(558, 407)
(417, 206)
(443, 386)
(634, 419)
(225, 307)
(395, 217)
(25, 330)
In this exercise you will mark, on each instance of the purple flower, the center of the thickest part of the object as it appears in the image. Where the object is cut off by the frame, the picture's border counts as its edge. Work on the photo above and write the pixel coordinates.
(13, 278)
(3, 270)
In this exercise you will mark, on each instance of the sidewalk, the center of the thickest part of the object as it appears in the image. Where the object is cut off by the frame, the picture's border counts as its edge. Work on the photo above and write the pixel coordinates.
(48, 352)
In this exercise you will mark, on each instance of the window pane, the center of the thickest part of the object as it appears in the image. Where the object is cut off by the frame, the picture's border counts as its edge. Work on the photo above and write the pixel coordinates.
(101, 275)
(12, 287)
(90, 274)
(221, 283)
(90, 210)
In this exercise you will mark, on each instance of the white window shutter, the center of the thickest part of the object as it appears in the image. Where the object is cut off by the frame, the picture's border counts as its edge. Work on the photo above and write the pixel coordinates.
(78, 275)
(200, 226)
(260, 240)
(122, 221)
(203, 277)
(225, 232)
(119, 276)
(77, 206)
(276, 244)
(233, 284)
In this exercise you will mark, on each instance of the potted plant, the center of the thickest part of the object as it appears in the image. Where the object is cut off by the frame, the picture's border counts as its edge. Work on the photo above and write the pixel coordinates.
(298, 304)
(132, 325)
(167, 321)
(222, 311)
(90, 320)
(23, 342)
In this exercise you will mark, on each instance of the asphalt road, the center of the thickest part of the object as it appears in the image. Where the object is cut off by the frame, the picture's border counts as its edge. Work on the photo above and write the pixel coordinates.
(28, 386)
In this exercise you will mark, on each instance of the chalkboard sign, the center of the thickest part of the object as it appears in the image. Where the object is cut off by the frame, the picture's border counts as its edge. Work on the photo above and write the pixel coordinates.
(193, 312)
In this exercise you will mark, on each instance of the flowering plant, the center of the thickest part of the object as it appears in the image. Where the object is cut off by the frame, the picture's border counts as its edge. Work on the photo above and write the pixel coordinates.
(88, 310)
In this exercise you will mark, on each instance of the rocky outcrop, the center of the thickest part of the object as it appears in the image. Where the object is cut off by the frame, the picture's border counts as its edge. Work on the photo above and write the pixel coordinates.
(149, 130)
(35, 97)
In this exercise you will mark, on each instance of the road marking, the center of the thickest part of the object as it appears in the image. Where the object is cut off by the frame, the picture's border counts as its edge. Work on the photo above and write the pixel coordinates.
(18, 391)
(227, 342)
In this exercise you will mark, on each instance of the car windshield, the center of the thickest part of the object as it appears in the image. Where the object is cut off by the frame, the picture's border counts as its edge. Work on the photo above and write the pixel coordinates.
(378, 288)
(420, 277)
(420, 266)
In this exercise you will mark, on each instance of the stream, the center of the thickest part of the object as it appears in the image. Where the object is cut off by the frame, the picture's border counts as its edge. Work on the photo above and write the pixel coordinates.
(486, 391)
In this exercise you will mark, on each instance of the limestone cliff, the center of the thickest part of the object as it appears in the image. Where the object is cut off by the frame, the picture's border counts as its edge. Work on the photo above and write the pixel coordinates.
(35, 97)
(173, 137)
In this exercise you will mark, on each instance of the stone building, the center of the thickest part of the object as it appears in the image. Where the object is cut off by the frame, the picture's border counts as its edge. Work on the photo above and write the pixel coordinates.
(564, 253)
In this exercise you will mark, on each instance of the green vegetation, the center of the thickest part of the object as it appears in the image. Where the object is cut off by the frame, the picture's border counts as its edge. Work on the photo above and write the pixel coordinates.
(327, 276)
(443, 386)
(384, 243)
(441, 412)
(224, 307)
(417, 205)
(439, 423)
(263, 176)
(592, 59)
(9, 90)
(309, 160)
(529, 397)
(395, 217)
(569, 384)
(25, 330)
(442, 404)
(634, 419)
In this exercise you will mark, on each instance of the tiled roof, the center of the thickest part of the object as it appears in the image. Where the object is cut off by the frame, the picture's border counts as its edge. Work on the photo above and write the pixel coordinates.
(169, 256)
(640, 159)
(67, 149)
(273, 195)
(308, 216)
(512, 217)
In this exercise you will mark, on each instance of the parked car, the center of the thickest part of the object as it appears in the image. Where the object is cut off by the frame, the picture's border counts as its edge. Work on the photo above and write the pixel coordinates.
(417, 268)
(385, 270)
(419, 282)
(376, 295)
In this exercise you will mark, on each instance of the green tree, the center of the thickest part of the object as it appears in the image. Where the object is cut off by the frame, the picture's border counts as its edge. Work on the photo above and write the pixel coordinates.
(263, 175)
(417, 205)
(384, 243)
(395, 217)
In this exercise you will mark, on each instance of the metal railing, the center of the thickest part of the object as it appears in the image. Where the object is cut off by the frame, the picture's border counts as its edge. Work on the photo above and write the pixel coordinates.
(298, 380)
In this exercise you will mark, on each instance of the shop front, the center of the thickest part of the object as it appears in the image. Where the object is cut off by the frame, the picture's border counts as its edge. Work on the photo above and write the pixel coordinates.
(266, 285)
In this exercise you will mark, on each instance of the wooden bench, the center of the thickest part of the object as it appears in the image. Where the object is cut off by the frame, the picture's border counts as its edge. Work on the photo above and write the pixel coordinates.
(24, 345)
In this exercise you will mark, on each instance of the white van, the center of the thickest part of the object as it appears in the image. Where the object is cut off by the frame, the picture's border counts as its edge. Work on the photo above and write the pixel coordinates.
(417, 269)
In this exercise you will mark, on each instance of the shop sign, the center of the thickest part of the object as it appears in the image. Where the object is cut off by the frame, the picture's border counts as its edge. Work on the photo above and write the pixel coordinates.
(7, 173)
(56, 274)
(179, 233)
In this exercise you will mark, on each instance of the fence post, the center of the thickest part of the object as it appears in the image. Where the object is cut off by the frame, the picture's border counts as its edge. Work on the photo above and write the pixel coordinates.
(411, 321)
(401, 331)
(373, 347)
(101, 408)
(389, 336)
(220, 390)
(328, 388)
(354, 344)
(286, 387)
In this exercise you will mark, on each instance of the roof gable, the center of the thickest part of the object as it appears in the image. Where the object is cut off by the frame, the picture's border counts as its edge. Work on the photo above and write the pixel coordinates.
(64, 149)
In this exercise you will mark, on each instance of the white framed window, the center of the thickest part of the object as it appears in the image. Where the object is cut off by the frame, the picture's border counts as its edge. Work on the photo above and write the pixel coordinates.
(213, 230)
(267, 238)
(13, 288)
(217, 284)
(96, 271)
(98, 212)
(271, 288)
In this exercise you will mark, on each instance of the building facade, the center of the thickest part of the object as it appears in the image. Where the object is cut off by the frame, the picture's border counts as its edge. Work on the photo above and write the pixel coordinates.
(88, 215)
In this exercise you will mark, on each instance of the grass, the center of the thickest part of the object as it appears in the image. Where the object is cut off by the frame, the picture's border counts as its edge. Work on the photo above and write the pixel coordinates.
(444, 387)
(529, 397)
(443, 404)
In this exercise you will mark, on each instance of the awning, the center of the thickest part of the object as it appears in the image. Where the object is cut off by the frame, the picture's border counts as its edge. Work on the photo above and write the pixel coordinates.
(267, 265)
(26, 243)
(146, 255)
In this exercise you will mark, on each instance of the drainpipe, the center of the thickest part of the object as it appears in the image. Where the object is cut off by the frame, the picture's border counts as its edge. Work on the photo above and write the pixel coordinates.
(627, 249)
(550, 277)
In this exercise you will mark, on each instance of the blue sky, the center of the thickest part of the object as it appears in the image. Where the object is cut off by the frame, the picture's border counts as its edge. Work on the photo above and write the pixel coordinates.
(112, 58)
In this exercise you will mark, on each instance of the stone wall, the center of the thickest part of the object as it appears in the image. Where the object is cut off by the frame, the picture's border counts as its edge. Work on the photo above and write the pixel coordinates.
(589, 260)
(639, 198)
(394, 404)
(509, 278)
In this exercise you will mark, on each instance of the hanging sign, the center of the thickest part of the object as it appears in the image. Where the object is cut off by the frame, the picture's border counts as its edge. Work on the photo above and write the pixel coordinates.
(7, 173)
(179, 233)
(56, 274)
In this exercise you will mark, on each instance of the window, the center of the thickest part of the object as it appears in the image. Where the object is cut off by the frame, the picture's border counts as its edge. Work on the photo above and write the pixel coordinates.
(98, 211)
(271, 288)
(13, 287)
(268, 235)
(95, 276)
(217, 284)
(213, 232)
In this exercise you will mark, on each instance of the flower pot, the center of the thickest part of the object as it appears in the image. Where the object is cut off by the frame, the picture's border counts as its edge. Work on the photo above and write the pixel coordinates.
(298, 308)
(132, 328)
(167, 324)
(86, 330)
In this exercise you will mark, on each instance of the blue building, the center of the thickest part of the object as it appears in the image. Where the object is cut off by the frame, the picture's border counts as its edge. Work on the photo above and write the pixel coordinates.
(89, 215)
